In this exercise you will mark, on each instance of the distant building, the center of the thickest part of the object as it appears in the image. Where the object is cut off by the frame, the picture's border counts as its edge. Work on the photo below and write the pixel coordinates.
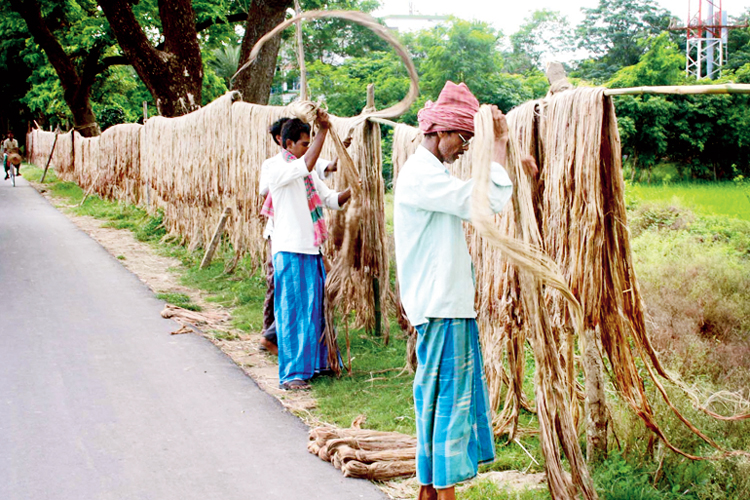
(413, 22)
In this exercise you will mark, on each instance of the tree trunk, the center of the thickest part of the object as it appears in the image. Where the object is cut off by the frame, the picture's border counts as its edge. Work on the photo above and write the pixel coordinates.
(255, 83)
(174, 75)
(76, 88)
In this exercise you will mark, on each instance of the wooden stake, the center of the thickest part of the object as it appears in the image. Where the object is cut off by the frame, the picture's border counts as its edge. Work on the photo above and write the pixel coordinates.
(52, 151)
(215, 239)
(729, 88)
(91, 188)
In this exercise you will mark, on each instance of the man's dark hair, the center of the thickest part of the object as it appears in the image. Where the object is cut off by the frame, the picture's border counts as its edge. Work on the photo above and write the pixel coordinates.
(275, 129)
(293, 130)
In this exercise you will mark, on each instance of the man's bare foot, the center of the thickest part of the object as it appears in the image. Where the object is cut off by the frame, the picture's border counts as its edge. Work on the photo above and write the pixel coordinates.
(270, 346)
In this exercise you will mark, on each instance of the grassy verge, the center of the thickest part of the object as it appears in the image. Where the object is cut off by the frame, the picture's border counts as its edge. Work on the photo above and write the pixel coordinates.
(688, 306)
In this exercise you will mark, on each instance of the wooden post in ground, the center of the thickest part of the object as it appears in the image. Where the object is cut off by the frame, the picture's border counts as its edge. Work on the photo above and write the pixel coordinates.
(216, 238)
(370, 106)
(91, 188)
(54, 143)
(148, 178)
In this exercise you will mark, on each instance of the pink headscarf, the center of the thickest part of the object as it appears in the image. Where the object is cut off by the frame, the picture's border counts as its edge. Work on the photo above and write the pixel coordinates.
(454, 110)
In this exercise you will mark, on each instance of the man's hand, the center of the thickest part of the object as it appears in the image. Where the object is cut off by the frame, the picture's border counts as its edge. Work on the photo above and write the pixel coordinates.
(323, 120)
(529, 166)
(500, 124)
(347, 142)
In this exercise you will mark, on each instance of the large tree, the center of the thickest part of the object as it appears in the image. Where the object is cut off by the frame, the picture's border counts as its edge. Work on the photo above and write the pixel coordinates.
(77, 69)
(262, 17)
(172, 71)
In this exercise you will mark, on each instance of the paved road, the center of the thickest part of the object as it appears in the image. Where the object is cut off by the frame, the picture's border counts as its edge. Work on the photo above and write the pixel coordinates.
(98, 401)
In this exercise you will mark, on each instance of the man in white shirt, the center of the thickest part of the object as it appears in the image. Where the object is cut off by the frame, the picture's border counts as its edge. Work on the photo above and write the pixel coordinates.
(297, 196)
(10, 145)
(454, 425)
(325, 170)
(269, 341)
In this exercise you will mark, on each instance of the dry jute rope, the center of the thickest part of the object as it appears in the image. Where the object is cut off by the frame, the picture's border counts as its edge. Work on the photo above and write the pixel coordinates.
(369, 22)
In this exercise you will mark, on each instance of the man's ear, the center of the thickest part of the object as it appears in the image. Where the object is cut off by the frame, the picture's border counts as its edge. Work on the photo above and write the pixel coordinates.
(288, 143)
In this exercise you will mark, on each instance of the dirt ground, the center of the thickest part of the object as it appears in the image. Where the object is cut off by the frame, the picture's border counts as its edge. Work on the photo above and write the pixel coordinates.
(161, 274)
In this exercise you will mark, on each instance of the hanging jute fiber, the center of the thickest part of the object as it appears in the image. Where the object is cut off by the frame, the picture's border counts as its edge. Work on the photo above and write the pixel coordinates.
(39, 146)
(120, 161)
(367, 454)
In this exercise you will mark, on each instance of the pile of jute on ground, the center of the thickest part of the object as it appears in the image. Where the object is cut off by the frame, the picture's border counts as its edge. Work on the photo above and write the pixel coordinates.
(367, 454)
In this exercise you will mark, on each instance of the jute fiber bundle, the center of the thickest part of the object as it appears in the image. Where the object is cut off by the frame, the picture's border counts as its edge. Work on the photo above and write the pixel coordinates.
(535, 272)
(361, 453)
(87, 171)
(186, 164)
(39, 145)
(120, 161)
(585, 230)
(361, 229)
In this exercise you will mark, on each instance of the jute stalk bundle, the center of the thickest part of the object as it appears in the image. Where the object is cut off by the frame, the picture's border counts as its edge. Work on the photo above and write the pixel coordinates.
(367, 454)
(359, 235)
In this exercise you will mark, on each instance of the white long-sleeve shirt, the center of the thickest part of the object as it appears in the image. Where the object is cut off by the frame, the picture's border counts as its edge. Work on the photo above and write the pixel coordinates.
(434, 267)
(263, 183)
(292, 223)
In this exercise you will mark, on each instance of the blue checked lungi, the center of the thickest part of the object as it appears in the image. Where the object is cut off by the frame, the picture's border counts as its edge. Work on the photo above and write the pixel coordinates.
(298, 307)
(454, 431)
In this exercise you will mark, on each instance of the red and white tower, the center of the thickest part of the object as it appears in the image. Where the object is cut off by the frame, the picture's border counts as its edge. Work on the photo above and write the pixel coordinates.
(706, 38)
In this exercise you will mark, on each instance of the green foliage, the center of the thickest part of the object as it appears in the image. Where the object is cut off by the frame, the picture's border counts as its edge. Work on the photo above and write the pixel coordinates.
(613, 33)
(661, 64)
(224, 61)
(111, 115)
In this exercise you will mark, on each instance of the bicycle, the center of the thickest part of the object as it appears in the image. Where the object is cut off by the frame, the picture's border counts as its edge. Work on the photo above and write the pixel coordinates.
(10, 167)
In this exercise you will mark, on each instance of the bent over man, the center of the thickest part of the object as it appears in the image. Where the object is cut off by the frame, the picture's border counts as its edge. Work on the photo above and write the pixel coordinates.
(454, 431)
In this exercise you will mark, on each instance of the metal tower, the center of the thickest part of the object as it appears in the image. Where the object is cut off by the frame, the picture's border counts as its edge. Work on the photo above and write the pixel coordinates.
(706, 39)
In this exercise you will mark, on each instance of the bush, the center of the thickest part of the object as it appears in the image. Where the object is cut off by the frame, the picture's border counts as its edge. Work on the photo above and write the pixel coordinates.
(695, 278)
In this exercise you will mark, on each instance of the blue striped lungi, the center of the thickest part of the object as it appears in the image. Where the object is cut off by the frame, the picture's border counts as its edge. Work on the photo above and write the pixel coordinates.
(298, 307)
(454, 425)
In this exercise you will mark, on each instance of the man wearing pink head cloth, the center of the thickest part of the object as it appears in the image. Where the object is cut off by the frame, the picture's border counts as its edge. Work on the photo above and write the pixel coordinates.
(435, 274)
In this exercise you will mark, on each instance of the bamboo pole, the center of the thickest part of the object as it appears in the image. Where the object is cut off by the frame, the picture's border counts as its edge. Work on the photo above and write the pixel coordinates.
(52, 151)
(729, 88)
(215, 239)
(300, 55)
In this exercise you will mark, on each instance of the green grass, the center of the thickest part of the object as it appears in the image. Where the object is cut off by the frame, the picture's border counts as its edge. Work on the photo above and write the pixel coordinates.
(724, 198)
(178, 299)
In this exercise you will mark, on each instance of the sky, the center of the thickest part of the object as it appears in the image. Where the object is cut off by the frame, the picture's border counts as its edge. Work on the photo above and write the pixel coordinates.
(507, 16)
